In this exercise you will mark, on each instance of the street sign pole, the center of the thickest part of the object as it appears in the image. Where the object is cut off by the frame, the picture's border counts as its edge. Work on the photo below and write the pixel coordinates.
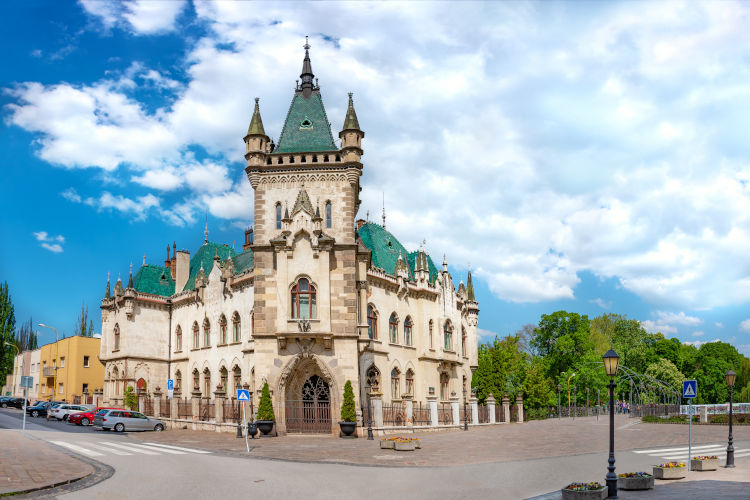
(244, 418)
(690, 432)
(23, 428)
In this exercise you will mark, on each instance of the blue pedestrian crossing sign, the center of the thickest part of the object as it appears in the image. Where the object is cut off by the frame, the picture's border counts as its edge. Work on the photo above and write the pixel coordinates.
(689, 388)
(243, 395)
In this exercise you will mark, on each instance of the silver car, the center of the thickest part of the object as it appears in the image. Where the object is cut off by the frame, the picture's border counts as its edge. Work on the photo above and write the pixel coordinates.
(126, 420)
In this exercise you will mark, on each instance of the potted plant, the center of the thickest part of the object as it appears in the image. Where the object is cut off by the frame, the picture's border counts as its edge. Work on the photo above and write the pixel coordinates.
(704, 462)
(265, 417)
(635, 481)
(348, 423)
(670, 470)
(584, 491)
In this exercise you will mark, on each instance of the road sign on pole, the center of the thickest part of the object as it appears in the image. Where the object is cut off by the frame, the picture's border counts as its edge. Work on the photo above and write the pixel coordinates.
(27, 382)
(243, 395)
(689, 389)
(170, 388)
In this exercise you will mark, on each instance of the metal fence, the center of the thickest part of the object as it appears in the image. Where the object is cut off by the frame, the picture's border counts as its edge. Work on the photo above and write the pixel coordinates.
(484, 414)
(184, 408)
(205, 410)
(148, 406)
(499, 413)
(232, 412)
(445, 414)
(421, 413)
(394, 414)
(165, 408)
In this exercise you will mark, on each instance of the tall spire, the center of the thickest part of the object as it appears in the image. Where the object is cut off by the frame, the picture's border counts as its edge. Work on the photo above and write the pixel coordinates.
(130, 278)
(350, 121)
(470, 288)
(106, 293)
(307, 75)
(205, 232)
(383, 209)
(256, 123)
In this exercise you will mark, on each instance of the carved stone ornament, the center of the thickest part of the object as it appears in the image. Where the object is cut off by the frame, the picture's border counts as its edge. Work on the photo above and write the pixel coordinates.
(306, 346)
(304, 325)
(282, 343)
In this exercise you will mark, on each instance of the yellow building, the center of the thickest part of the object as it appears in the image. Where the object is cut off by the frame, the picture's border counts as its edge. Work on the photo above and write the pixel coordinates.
(70, 368)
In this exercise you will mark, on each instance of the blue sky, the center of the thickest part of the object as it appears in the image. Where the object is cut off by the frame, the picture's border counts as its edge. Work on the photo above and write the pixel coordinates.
(582, 156)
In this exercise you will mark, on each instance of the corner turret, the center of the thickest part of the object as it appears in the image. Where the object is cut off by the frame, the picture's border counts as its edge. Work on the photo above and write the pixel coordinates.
(351, 135)
(256, 140)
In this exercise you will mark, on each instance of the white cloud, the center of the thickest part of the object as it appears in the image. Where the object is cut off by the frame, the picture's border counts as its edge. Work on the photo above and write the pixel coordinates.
(48, 242)
(719, 324)
(678, 318)
(698, 343)
(698, 334)
(485, 335)
(141, 16)
(601, 303)
(654, 327)
(745, 325)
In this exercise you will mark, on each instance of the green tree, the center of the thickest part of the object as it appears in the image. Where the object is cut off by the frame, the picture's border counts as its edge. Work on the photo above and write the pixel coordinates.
(26, 338)
(265, 406)
(713, 361)
(688, 355)
(348, 412)
(666, 371)
(562, 338)
(7, 332)
(537, 390)
(82, 322)
(130, 398)
(501, 368)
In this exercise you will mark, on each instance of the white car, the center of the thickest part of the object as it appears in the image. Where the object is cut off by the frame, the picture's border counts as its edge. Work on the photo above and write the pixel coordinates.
(61, 412)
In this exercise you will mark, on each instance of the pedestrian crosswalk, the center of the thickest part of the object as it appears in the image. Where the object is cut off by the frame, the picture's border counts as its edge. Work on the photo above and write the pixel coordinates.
(681, 453)
(103, 448)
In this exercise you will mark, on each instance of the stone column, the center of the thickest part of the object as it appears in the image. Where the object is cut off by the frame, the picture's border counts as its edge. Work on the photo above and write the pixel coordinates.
(196, 404)
(173, 408)
(519, 405)
(219, 396)
(474, 410)
(704, 414)
(376, 399)
(432, 403)
(506, 408)
(157, 402)
(409, 404)
(454, 410)
(491, 407)
(141, 401)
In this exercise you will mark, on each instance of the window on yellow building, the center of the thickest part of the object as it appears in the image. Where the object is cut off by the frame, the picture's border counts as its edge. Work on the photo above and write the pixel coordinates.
(85, 361)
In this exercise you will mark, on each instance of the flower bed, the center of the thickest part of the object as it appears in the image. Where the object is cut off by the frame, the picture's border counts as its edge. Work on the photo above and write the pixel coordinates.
(584, 491)
(670, 470)
(704, 463)
(399, 443)
(635, 481)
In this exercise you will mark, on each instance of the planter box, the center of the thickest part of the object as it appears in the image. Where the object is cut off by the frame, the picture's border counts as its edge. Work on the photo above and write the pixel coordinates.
(635, 483)
(669, 472)
(385, 444)
(704, 465)
(405, 446)
(585, 495)
(417, 443)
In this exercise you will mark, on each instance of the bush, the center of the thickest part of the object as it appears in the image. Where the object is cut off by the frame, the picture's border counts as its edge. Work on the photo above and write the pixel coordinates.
(348, 413)
(131, 400)
(265, 407)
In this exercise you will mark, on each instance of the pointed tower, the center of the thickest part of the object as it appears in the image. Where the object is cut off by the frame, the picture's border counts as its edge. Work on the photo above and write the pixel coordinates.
(130, 278)
(472, 307)
(256, 140)
(351, 135)
(106, 293)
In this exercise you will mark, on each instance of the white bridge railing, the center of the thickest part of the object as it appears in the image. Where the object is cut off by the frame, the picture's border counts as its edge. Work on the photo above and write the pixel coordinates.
(719, 409)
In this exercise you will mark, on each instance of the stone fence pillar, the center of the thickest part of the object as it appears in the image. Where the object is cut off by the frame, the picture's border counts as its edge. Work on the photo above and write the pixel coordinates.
(409, 404)
(219, 396)
(432, 404)
(174, 410)
(704, 414)
(506, 409)
(196, 404)
(491, 407)
(141, 401)
(454, 410)
(376, 399)
(474, 410)
(157, 402)
(519, 405)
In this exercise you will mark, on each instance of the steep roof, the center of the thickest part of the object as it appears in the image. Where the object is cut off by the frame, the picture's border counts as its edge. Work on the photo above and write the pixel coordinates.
(412, 260)
(350, 120)
(156, 280)
(205, 256)
(384, 246)
(306, 128)
(256, 123)
(243, 261)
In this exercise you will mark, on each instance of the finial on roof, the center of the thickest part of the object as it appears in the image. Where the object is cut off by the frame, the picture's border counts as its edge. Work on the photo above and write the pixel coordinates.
(206, 231)
(118, 277)
(307, 75)
(367, 217)
(286, 211)
(350, 120)
(216, 255)
(256, 123)
(445, 264)
(383, 209)
(130, 278)
(144, 259)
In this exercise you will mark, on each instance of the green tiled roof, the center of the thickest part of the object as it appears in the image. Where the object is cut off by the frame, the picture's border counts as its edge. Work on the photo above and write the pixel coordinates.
(384, 246)
(412, 260)
(156, 280)
(205, 256)
(243, 261)
(306, 128)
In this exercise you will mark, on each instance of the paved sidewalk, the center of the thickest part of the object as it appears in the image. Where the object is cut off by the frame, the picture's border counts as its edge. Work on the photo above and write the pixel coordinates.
(30, 464)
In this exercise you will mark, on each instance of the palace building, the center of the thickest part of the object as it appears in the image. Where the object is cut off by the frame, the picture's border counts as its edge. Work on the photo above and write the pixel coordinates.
(315, 297)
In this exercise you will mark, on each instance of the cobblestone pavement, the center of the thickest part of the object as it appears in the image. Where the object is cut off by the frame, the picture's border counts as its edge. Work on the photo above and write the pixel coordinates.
(28, 464)
(485, 444)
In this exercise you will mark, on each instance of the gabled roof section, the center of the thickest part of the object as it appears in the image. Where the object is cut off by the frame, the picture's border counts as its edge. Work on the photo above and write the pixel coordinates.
(243, 261)
(306, 129)
(384, 246)
(303, 203)
(156, 280)
(205, 257)
(412, 260)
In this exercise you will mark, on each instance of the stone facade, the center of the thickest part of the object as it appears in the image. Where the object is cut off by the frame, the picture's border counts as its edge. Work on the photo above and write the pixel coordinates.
(325, 299)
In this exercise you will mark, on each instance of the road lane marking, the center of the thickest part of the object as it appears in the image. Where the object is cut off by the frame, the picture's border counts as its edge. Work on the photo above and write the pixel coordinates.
(106, 448)
(684, 448)
(164, 450)
(717, 453)
(129, 448)
(191, 450)
(79, 449)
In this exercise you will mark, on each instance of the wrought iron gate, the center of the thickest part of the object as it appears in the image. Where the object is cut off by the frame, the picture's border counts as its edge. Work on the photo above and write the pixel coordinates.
(311, 414)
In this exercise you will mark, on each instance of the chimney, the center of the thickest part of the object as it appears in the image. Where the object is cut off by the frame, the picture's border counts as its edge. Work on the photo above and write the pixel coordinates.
(360, 223)
(248, 239)
(171, 265)
(166, 262)
(182, 269)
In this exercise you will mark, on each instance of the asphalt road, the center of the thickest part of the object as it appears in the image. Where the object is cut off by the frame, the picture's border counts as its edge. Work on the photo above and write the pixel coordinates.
(12, 418)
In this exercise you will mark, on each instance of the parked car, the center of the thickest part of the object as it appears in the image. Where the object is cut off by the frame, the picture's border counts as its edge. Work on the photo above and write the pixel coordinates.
(4, 401)
(15, 403)
(63, 411)
(87, 417)
(40, 408)
(126, 420)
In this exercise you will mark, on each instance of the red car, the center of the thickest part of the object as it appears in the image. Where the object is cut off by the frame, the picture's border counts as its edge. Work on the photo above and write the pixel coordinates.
(87, 417)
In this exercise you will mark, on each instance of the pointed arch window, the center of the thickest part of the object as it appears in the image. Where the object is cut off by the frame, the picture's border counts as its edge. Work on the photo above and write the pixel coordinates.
(237, 378)
(278, 215)
(328, 214)
(372, 322)
(303, 300)
(429, 333)
(224, 377)
(448, 336)
(117, 337)
(223, 331)
(206, 333)
(178, 381)
(463, 341)
(395, 384)
(444, 386)
(409, 382)
(178, 339)
(196, 336)
(407, 330)
(373, 378)
(206, 383)
(393, 329)
(236, 332)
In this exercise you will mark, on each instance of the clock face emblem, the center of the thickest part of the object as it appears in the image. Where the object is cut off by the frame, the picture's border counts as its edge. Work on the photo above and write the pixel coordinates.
(306, 123)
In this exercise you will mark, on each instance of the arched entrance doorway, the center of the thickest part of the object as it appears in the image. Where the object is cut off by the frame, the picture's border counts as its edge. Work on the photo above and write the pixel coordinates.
(311, 413)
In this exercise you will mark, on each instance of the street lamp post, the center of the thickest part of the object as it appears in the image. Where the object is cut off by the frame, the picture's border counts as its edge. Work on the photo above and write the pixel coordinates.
(630, 398)
(575, 401)
(611, 361)
(573, 375)
(18, 353)
(57, 339)
(730, 376)
(369, 414)
(559, 408)
(587, 401)
(598, 403)
(466, 421)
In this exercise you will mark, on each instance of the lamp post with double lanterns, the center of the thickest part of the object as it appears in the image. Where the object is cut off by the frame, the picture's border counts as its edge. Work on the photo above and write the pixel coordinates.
(611, 362)
(559, 408)
(466, 421)
(730, 377)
